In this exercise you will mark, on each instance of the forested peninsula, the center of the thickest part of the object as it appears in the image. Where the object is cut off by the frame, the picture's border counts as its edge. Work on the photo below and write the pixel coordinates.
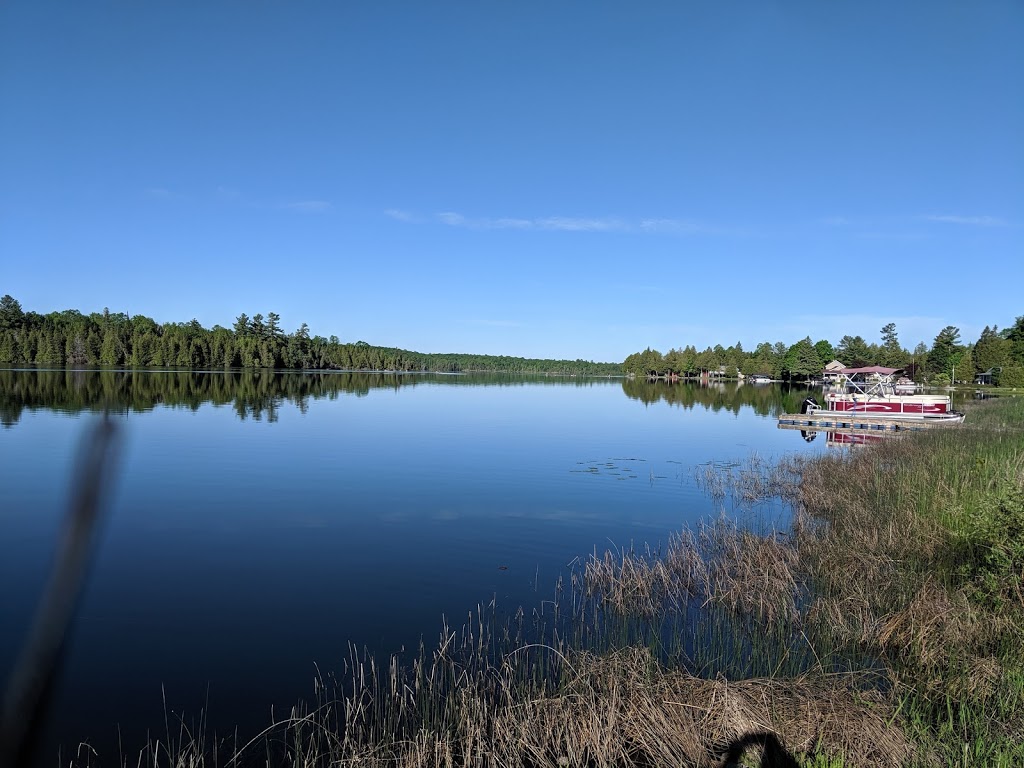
(112, 339)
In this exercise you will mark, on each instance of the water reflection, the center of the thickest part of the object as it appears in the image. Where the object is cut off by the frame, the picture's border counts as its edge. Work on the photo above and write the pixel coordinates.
(718, 396)
(253, 394)
(259, 394)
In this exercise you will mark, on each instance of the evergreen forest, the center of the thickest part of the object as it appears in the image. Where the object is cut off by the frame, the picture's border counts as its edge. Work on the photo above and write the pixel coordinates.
(71, 339)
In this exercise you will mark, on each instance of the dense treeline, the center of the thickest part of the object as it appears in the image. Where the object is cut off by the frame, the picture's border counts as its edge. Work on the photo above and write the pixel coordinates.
(107, 339)
(1001, 352)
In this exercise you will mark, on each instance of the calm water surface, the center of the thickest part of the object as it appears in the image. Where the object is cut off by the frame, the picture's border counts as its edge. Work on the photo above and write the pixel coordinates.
(263, 522)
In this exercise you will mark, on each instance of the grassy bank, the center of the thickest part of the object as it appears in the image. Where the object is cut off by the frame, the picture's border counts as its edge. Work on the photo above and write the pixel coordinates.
(884, 628)
(915, 550)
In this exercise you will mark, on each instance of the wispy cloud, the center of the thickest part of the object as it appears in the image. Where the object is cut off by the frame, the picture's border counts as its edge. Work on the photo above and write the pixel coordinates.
(549, 223)
(897, 228)
(904, 227)
(682, 226)
(309, 206)
(969, 221)
(581, 225)
(400, 215)
(452, 219)
(510, 223)
(905, 236)
(652, 225)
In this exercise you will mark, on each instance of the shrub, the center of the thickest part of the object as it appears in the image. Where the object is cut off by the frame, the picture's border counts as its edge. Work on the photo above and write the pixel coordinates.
(1011, 376)
(992, 549)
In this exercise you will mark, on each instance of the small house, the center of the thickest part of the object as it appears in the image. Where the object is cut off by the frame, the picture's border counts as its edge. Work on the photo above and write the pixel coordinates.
(988, 377)
(833, 372)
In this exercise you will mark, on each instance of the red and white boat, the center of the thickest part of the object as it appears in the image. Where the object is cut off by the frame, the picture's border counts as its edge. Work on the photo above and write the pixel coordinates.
(873, 392)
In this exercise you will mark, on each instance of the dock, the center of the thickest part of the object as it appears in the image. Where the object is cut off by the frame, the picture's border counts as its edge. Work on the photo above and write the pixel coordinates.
(851, 423)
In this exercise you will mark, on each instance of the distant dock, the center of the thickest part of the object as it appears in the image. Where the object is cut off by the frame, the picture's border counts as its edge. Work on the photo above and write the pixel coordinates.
(851, 423)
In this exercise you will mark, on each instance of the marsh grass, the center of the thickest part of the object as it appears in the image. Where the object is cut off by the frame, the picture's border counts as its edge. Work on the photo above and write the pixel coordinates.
(755, 480)
(915, 553)
(883, 627)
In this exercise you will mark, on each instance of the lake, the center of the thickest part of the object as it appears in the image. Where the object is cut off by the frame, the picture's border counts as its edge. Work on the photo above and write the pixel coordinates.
(262, 522)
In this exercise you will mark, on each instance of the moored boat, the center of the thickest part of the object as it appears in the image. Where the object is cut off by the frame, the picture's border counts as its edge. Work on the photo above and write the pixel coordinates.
(871, 392)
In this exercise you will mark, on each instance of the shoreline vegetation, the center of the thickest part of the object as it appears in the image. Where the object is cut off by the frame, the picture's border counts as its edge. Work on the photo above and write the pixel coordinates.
(997, 354)
(884, 627)
(113, 340)
(70, 339)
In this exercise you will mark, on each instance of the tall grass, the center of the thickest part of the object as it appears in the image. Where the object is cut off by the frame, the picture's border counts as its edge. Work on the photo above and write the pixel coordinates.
(921, 563)
(884, 627)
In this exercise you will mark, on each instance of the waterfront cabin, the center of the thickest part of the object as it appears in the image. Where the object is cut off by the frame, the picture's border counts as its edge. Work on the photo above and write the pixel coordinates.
(833, 372)
(988, 377)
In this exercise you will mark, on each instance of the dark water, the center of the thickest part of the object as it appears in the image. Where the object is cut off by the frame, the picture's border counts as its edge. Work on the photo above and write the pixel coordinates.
(263, 522)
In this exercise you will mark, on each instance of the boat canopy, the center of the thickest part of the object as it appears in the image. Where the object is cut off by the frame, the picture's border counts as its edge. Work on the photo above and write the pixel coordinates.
(869, 370)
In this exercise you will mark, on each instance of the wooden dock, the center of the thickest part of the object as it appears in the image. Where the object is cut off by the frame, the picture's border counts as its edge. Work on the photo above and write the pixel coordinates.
(851, 423)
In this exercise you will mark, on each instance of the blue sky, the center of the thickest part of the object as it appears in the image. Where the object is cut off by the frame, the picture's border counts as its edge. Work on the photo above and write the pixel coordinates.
(572, 179)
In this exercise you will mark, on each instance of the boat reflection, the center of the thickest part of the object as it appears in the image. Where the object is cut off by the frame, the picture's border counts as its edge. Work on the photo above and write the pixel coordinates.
(835, 439)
